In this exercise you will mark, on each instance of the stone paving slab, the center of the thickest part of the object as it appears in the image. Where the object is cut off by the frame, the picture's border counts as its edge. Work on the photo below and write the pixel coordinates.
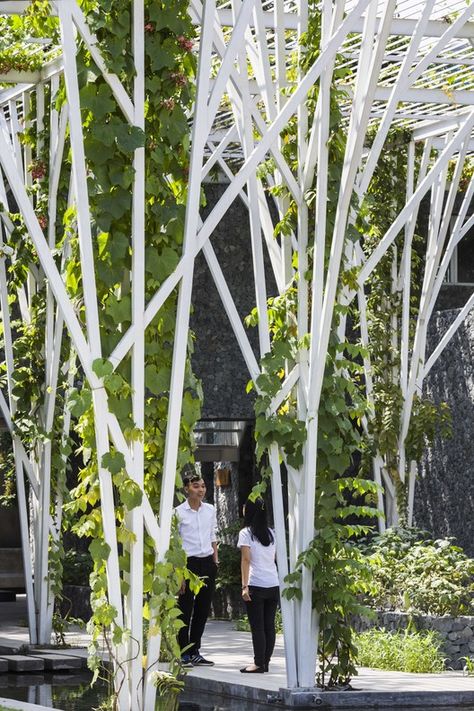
(231, 650)
(57, 662)
(23, 663)
(22, 705)
(76, 653)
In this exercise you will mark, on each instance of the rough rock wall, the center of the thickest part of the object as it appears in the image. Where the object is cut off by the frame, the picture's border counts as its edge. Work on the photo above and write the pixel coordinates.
(226, 501)
(217, 359)
(445, 490)
(444, 502)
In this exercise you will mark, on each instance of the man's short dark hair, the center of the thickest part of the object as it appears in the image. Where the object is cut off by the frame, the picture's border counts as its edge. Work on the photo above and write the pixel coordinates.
(190, 477)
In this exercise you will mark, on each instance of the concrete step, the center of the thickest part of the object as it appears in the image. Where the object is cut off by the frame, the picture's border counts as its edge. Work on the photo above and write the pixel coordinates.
(11, 560)
(3, 666)
(78, 653)
(57, 661)
(11, 569)
(23, 663)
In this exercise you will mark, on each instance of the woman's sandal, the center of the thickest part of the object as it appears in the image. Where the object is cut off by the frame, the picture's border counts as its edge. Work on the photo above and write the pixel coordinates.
(257, 670)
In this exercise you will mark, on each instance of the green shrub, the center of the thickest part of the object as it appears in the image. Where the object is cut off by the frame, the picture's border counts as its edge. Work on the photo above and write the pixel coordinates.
(243, 625)
(413, 573)
(407, 651)
(228, 574)
(468, 667)
(77, 566)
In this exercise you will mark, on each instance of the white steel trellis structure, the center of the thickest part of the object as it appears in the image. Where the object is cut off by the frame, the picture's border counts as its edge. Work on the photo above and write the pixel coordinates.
(407, 64)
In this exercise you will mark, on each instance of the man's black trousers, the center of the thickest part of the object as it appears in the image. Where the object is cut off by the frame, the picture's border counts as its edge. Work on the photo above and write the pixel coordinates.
(195, 608)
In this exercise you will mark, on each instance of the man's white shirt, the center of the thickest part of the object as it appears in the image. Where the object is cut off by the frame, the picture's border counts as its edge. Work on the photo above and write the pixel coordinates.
(197, 528)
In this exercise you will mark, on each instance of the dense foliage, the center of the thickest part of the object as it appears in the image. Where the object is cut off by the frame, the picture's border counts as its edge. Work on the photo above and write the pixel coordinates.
(345, 500)
(109, 146)
(413, 573)
(110, 143)
(384, 306)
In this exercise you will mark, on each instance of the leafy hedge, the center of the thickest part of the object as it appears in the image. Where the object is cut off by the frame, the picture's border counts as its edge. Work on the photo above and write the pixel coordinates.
(413, 573)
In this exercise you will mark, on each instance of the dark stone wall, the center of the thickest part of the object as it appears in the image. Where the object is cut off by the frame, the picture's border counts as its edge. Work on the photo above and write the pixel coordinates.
(444, 498)
(453, 296)
(445, 490)
(217, 359)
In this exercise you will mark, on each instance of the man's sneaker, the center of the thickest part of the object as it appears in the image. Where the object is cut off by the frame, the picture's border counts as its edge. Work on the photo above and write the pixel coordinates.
(186, 662)
(198, 661)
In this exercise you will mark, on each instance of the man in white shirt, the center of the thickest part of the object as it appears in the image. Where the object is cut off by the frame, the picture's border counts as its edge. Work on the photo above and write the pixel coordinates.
(197, 528)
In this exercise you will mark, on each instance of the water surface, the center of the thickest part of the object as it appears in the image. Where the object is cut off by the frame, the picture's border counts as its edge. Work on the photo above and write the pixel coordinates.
(72, 692)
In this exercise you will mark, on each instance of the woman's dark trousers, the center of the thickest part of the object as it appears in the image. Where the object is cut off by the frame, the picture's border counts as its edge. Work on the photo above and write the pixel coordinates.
(195, 608)
(261, 612)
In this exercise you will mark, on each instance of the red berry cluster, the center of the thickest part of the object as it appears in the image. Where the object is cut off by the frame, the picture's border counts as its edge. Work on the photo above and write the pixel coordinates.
(185, 43)
(6, 66)
(168, 104)
(43, 221)
(37, 169)
(179, 78)
(150, 28)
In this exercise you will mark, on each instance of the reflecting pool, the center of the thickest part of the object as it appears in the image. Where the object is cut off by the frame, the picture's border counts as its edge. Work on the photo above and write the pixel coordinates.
(72, 692)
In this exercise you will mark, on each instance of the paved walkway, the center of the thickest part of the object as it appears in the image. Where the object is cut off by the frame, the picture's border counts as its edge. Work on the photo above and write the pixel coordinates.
(231, 650)
(14, 627)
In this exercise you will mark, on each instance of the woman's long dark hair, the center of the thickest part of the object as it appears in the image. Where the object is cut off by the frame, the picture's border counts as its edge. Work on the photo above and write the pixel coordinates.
(255, 517)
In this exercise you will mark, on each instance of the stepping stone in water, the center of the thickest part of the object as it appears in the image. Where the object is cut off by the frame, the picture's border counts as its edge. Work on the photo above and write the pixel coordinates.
(80, 654)
(23, 663)
(57, 662)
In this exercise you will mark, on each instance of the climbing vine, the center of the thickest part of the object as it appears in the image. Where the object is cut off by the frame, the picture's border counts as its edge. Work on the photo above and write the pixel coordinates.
(345, 500)
(109, 143)
(109, 146)
(28, 289)
(384, 306)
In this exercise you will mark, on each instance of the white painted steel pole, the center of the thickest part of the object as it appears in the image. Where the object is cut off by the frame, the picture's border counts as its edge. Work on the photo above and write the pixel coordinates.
(134, 599)
(199, 137)
(268, 139)
(20, 481)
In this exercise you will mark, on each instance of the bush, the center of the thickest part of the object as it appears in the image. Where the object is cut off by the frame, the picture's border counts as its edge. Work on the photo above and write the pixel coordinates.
(228, 574)
(407, 651)
(77, 566)
(413, 573)
(243, 624)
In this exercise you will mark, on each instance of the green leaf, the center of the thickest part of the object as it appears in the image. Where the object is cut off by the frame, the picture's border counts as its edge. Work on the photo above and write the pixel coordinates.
(99, 550)
(130, 494)
(102, 367)
(129, 138)
(160, 263)
(79, 403)
(97, 99)
(113, 461)
(191, 409)
(157, 380)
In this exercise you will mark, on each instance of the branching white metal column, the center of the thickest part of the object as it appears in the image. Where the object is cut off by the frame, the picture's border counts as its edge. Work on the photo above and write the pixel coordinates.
(246, 71)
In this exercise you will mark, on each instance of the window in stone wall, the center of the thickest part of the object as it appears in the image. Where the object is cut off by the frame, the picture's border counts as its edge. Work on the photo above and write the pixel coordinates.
(461, 266)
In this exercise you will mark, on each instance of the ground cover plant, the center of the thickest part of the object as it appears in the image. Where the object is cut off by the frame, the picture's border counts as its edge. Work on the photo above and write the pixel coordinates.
(414, 573)
(407, 651)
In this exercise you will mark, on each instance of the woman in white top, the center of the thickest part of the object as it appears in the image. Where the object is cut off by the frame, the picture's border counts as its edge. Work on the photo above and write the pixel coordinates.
(260, 590)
